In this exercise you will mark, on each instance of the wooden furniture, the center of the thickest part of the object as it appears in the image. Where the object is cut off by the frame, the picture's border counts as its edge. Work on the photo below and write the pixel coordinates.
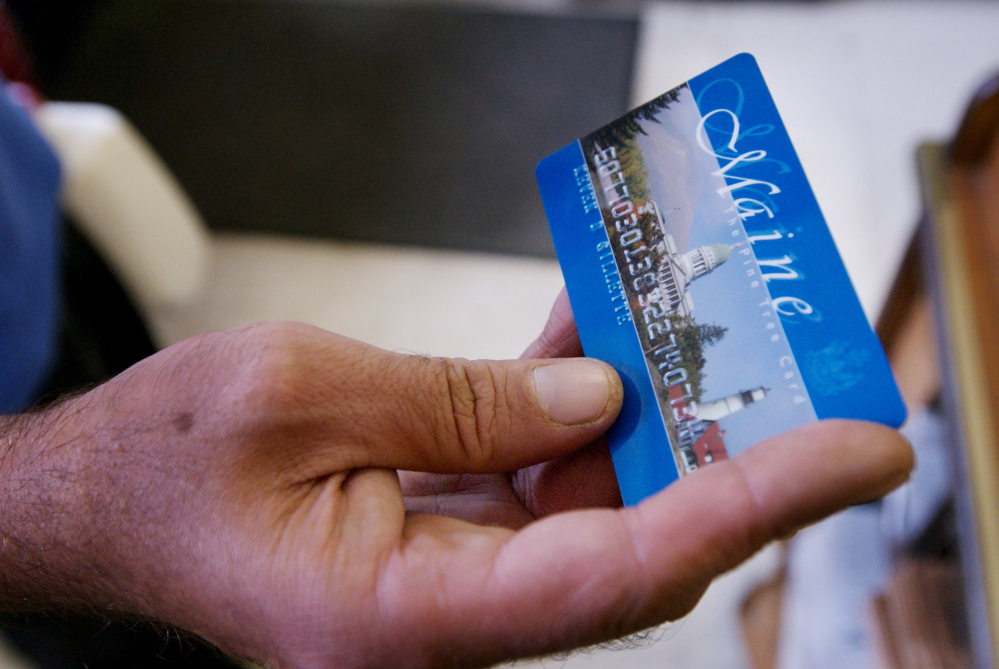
(941, 330)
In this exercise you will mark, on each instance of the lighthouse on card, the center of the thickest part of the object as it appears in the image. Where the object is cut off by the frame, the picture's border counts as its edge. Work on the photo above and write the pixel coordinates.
(701, 438)
(715, 410)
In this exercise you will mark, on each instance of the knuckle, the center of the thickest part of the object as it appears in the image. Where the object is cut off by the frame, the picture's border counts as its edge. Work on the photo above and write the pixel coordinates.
(271, 377)
(758, 529)
(472, 410)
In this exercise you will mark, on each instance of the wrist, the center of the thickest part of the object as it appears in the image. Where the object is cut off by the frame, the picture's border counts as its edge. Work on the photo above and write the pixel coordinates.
(50, 526)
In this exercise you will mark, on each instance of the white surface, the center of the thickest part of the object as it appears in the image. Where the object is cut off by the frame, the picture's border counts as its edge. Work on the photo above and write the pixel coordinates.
(11, 659)
(834, 570)
(858, 84)
(127, 202)
(438, 302)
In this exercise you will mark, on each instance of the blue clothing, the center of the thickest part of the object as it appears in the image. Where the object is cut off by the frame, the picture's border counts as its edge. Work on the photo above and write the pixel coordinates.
(29, 219)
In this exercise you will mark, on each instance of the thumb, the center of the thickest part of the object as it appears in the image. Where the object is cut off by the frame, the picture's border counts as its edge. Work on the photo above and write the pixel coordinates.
(451, 415)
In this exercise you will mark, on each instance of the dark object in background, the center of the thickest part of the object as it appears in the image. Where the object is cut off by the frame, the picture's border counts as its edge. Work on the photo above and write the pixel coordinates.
(101, 332)
(417, 125)
(51, 29)
(75, 642)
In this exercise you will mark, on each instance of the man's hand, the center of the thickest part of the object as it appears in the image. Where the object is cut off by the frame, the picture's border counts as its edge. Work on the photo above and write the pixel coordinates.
(243, 485)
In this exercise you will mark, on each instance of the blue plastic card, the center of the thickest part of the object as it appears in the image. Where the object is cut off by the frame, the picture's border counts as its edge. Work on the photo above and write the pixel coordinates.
(699, 265)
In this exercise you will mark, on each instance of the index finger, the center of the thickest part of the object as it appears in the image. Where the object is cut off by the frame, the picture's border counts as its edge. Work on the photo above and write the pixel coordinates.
(559, 338)
(582, 577)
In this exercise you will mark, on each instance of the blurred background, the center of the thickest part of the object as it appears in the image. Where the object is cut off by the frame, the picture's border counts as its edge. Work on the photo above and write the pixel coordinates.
(368, 167)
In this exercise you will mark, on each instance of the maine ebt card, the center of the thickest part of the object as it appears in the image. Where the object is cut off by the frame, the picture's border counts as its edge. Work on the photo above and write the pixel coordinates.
(699, 265)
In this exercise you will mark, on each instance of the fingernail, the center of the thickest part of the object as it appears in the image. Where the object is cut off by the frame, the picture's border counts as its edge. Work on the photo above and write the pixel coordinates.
(574, 391)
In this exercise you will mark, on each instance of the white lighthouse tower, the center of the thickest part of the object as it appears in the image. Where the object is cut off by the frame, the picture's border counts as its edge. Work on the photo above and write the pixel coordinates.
(717, 409)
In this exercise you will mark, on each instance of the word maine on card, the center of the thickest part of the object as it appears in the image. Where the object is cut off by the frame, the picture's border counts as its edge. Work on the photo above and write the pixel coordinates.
(699, 265)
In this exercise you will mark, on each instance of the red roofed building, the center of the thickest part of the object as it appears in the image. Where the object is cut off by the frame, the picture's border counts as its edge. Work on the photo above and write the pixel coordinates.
(700, 421)
(678, 399)
(711, 446)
